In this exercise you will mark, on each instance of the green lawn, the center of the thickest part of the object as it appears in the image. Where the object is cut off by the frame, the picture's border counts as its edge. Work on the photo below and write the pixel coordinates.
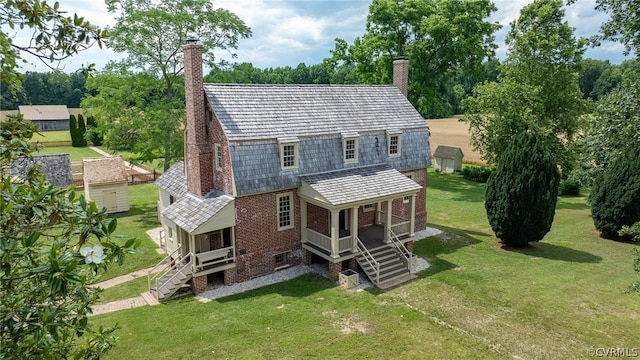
(52, 136)
(558, 299)
(76, 153)
(134, 223)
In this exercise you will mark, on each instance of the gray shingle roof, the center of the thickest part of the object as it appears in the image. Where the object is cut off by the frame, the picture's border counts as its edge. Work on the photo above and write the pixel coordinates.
(251, 112)
(190, 212)
(106, 170)
(360, 184)
(447, 151)
(173, 180)
(57, 168)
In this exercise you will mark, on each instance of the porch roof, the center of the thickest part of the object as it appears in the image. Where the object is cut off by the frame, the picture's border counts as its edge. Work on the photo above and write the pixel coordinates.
(193, 213)
(357, 185)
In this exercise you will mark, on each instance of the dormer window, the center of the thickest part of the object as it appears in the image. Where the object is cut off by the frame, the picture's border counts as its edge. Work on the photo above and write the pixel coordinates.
(289, 157)
(394, 143)
(350, 147)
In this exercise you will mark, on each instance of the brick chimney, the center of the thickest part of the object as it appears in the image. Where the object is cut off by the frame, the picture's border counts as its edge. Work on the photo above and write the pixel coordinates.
(198, 149)
(401, 74)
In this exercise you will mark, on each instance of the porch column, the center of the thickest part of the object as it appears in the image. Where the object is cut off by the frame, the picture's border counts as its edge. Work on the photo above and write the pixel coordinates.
(354, 229)
(335, 226)
(388, 221)
(192, 248)
(303, 220)
(412, 217)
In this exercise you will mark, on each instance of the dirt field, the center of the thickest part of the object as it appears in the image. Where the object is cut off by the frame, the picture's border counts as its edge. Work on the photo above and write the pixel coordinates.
(453, 132)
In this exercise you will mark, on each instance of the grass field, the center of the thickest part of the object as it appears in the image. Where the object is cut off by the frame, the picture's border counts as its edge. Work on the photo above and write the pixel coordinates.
(452, 132)
(76, 153)
(558, 299)
(52, 136)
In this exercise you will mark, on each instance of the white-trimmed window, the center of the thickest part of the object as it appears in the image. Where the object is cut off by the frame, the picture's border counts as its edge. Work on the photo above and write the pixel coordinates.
(218, 154)
(406, 198)
(285, 211)
(281, 260)
(394, 144)
(289, 157)
(368, 207)
(350, 147)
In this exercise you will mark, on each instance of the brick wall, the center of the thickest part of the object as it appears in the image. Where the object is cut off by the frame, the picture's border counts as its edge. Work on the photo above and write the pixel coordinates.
(258, 239)
(318, 219)
(198, 148)
(222, 179)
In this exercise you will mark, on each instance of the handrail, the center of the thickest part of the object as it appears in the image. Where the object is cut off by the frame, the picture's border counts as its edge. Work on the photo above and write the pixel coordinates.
(400, 246)
(168, 281)
(375, 265)
(164, 271)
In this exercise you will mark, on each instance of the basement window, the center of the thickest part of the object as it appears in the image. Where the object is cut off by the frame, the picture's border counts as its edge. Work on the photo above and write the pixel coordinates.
(281, 259)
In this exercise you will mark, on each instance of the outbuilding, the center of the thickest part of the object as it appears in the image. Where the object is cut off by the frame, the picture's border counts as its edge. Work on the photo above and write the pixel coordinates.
(105, 183)
(448, 158)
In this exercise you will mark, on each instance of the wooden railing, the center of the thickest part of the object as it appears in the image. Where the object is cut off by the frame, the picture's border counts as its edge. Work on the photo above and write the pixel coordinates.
(207, 259)
(399, 225)
(163, 267)
(408, 256)
(324, 242)
(370, 260)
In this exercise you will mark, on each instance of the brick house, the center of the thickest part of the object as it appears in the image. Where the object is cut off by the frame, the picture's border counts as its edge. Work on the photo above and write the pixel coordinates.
(281, 175)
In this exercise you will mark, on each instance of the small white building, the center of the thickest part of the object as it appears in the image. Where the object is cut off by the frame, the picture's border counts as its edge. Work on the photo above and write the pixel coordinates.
(105, 183)
(448, 158)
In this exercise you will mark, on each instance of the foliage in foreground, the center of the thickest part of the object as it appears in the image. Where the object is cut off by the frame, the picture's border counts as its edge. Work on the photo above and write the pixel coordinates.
(633, 232)
(615, 196)
(52, 243)
(522, 192)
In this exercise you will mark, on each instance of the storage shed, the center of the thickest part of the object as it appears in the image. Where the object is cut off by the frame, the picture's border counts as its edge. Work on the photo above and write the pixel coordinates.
(105, 182)
(448, 158)
(47, 117)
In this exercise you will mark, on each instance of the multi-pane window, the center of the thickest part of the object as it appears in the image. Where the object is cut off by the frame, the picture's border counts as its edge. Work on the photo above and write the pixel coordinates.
(406, 198)
(368, 207)
(394, 145)
(288, 156)
(281, 259)
(350, 149)
(218, 156)
(285, 211)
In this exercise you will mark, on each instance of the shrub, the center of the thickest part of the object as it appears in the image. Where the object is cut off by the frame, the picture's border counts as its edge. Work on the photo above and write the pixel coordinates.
(92, 130)
(522, 192)
(615, 196)
(478, 174)
(569, 187)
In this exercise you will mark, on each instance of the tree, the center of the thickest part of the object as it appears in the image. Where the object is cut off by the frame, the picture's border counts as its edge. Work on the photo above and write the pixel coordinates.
(152, 33)
(614, 128)
(623, 25)
(53, 243)
(55, 37)
(615, 195)
(440, 37)
(93, 134)
(537, 90)
(134, 115)
(51, 240)
(522, 192)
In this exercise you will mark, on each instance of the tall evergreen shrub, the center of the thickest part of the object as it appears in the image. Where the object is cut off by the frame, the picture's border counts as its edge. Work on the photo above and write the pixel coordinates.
(80, 140)
(73, 125)
(522, 192)
(615, 196)
(92, 129)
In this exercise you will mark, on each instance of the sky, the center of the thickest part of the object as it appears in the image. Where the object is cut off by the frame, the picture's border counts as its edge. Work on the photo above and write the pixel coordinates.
(290, 32)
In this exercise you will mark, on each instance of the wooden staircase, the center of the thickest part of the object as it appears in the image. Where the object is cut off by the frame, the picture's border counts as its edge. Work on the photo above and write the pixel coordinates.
(169, 276)
(393, 266)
